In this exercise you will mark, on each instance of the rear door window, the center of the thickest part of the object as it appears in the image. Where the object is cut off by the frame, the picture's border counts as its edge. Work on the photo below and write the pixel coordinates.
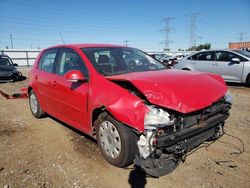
(47, 60)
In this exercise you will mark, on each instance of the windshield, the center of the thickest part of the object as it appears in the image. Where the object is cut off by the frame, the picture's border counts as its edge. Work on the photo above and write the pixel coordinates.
(120, 60)
(245, 53)
(4, 61)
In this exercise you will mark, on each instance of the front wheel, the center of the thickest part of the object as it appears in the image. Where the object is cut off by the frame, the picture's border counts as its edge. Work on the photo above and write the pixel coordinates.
(117, 142)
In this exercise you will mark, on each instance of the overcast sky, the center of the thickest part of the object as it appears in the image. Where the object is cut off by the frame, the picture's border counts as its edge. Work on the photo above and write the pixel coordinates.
(37, 23)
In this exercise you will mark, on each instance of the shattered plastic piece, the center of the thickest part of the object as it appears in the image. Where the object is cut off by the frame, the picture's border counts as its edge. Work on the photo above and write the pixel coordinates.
(16, 95)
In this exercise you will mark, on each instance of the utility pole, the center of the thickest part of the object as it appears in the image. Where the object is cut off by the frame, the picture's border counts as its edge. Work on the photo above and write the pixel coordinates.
(11, 41)
(167, 31)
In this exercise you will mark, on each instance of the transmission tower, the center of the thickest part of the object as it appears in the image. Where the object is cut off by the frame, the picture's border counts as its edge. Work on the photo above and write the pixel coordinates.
(167, 31)
(192, 30)
(241, 36)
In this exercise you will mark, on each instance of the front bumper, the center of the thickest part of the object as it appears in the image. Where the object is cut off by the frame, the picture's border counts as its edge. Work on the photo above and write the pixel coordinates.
(170, 149)
(10, 76)
(194, 135)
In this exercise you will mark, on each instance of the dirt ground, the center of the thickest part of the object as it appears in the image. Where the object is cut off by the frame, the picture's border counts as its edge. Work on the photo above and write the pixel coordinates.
(47, 153)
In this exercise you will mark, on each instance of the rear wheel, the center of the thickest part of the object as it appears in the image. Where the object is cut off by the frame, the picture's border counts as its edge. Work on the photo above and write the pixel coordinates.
(117, 142)
(35, 107)
(248, 80)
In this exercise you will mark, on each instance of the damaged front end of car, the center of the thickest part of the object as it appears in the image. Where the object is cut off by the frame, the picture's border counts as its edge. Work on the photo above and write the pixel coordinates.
(169, 135)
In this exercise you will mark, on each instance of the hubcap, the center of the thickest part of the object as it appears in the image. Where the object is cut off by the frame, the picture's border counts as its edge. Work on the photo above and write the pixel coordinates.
(33, 103)
(110, 139)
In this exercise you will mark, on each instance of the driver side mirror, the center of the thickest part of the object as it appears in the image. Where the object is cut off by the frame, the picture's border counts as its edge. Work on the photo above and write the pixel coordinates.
(74, 76)
(236, 60)
(15, 64)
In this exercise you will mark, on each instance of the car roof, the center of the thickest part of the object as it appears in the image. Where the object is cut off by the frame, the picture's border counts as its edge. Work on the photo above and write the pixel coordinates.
(3, 55)
(211, 50)
(91, 45)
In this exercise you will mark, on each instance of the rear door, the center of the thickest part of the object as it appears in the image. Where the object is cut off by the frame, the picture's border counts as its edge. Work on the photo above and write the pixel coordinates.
(44, 79)
(229, 70)
(71, 97)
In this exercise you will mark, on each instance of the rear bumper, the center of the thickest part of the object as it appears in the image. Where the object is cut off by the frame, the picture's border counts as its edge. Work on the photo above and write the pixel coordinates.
(194, 135)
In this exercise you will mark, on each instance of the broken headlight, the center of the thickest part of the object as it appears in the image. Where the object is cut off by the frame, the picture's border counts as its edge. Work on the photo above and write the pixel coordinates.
(156, 116)
(228, 97)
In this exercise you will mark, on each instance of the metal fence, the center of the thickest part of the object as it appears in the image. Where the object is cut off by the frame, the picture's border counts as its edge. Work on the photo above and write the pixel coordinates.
(26, 57)
(22, 57)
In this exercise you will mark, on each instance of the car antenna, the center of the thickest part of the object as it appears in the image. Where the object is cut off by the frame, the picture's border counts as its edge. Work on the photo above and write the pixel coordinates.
(61, 36)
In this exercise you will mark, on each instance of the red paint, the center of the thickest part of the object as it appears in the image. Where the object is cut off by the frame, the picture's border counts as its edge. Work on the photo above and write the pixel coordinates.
(74, 103)
(183, 91)
(16, 95)
(74, 75)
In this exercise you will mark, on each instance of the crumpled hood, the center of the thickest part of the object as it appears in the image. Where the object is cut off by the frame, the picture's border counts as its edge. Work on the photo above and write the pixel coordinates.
(182, 91)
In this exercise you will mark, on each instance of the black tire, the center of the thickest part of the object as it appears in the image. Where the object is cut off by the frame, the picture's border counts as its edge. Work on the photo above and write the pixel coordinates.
(248, 80)
(127, 138)
(38, 112)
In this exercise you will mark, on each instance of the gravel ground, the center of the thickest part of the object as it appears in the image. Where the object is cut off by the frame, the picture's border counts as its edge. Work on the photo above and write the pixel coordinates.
(47, 153)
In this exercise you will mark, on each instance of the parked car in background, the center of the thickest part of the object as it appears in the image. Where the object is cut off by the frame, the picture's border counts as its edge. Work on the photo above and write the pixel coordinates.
(164, 59)
(232, 65)
(8, 71)
(136, 108)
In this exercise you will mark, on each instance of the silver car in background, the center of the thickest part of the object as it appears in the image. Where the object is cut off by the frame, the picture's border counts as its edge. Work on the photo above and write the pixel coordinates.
(232, 65)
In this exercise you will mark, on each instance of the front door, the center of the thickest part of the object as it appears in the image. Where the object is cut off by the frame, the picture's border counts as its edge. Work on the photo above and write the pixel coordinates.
(72, 97)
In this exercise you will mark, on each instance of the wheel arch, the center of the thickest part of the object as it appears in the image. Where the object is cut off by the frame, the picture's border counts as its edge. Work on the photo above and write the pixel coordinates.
(102, 109)
(29, 89)
(248, 79)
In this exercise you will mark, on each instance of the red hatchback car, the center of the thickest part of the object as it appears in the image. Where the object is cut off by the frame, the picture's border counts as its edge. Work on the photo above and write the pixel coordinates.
(138, 110)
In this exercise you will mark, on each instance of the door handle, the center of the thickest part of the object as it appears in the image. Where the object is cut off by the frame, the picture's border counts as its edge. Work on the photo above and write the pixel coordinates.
(215, 64)
(193, 63)
(54, 84)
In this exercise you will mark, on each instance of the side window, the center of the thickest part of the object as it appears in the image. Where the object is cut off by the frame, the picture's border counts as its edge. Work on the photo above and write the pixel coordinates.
(227, 56)
(224, 56)
(70, 60)
(193, 57)
(205, 56)
(47, 60)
